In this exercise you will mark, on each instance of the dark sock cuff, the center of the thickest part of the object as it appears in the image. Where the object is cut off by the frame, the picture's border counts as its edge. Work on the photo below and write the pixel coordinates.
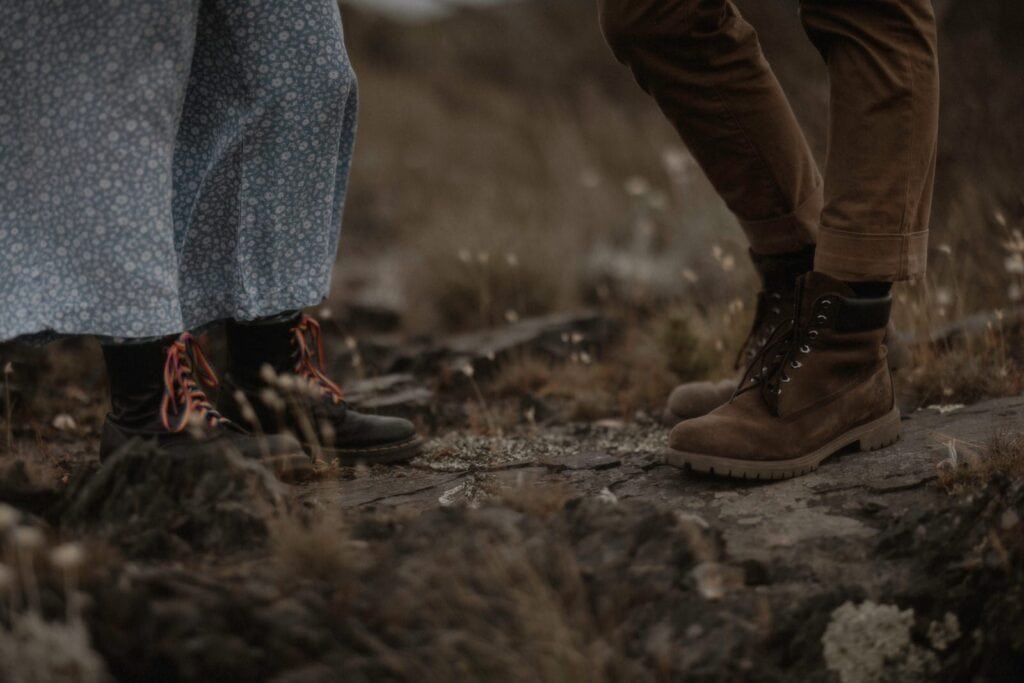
(780, 271)
(870, 290)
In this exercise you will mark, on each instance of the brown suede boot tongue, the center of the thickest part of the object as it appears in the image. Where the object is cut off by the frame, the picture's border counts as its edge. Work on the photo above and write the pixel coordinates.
(815, 285)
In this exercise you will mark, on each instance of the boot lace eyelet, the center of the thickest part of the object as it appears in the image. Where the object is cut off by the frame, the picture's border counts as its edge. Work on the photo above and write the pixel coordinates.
(795, 364)
(786, 379)
(805, 349)
(813, 334)
(822, 319)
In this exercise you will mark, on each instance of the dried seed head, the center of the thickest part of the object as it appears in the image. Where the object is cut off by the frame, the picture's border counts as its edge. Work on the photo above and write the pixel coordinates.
(467, 370)
(28, 538)
(8, 517)
(6, 578)
(65, 423)
(327, 433)
(270, 399)
(67, 557)
(267, 373)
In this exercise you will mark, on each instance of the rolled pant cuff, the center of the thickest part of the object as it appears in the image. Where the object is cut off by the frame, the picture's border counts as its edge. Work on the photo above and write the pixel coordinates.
(787, 233)
(861, 257)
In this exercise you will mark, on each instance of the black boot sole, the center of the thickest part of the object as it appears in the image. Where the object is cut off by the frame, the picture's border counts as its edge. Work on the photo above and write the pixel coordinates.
(401, 451)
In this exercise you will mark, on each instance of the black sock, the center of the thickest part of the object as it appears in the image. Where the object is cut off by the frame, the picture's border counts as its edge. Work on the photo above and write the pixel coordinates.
(781, 271)
(870, 290)
(253, 343)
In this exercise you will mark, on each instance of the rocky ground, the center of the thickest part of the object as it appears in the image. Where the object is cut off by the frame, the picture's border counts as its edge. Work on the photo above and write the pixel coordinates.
(545, 550)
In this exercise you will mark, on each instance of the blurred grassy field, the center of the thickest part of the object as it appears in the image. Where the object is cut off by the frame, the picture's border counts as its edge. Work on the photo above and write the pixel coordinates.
(508, 165)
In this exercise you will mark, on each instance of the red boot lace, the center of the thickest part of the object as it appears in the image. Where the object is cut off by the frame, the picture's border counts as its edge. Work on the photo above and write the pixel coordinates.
(183, 395)
(310, 363)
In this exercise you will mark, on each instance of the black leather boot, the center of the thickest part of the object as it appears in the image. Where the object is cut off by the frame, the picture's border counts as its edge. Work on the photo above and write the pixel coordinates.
(157, 392)
(279, 384)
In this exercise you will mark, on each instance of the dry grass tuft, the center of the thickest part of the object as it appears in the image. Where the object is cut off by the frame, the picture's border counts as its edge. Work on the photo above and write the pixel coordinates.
(320, 548)
(970, 470)
(533, 499)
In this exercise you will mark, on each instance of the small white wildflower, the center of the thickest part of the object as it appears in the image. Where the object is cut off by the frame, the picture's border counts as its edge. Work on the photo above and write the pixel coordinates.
(67, 557)
(65, 423)
(636, 186)
(676, 161)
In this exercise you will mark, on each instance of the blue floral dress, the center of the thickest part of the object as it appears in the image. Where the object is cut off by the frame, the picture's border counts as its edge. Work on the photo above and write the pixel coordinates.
(168, 163)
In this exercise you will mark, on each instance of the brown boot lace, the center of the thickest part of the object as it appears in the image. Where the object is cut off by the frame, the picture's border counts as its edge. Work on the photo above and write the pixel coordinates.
(780, 356)
(184, 397)
(310, 362)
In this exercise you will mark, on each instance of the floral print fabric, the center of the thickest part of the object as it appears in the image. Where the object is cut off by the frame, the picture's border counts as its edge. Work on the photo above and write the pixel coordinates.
(168, 163)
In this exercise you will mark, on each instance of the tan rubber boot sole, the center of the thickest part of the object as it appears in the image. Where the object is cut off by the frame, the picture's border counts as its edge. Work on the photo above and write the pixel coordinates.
(869, 437)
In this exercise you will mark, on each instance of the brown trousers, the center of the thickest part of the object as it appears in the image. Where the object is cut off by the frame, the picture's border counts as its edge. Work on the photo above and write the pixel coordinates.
(703, 65)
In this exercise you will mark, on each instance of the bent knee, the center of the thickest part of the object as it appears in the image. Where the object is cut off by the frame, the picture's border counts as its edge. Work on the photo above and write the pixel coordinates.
(628, 23)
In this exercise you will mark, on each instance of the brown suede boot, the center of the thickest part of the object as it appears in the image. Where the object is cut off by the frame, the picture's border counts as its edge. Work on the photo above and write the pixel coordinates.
(821, 383)
(775, 305)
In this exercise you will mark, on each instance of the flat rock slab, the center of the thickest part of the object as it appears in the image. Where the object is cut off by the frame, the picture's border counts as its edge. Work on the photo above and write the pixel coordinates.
(825, 521)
